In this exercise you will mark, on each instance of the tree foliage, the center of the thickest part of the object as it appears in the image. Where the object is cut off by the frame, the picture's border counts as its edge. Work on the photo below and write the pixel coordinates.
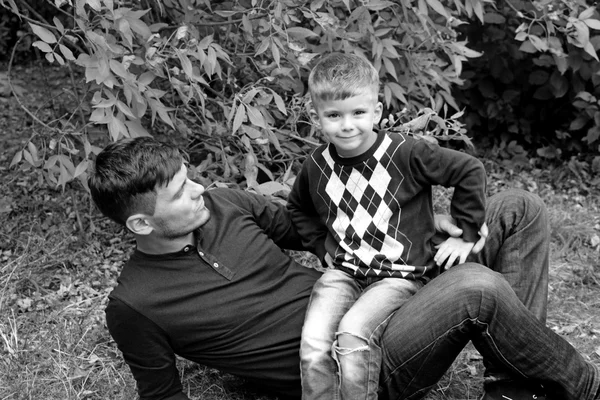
(230, 75)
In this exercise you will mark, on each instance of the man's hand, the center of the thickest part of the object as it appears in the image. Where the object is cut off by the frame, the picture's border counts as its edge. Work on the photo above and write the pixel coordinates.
(453, 251)
(446, 224)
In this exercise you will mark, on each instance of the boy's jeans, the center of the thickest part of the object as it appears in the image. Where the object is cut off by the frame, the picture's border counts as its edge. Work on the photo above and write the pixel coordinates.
(470, 303)
(340, 304)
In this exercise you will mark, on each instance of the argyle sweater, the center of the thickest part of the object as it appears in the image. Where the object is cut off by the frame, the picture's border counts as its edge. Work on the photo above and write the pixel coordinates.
(373, 213)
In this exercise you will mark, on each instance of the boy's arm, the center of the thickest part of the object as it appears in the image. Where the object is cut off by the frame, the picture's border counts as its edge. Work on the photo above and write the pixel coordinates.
(304, 214)
(465, 173)
(146, 350)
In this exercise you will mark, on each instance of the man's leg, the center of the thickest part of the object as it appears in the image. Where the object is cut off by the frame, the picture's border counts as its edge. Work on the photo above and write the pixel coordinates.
(518, 246)
(470, 302)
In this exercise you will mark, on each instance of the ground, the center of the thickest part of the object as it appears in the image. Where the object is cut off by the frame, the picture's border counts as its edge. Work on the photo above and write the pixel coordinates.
(59, 259)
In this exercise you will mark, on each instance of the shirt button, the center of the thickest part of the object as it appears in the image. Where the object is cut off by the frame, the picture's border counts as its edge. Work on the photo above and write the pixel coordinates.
(201, 253)
(186, 249)
(216, 265)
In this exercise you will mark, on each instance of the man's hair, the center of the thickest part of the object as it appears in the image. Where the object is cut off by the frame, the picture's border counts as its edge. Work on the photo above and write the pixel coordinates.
(339, 76)
(127, 173)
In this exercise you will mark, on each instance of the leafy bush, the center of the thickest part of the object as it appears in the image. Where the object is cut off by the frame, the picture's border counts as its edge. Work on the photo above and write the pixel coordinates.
(534, 89)
(230, 76)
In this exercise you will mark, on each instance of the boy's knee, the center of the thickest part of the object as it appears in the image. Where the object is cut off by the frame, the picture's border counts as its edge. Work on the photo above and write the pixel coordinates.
(350, 342)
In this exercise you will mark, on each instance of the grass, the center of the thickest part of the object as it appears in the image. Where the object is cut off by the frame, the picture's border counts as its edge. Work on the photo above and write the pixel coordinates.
(59, 259)
(54, 279)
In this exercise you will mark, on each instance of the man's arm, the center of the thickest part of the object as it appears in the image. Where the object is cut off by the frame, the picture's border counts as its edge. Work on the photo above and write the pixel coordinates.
(304, 215)
(146, 350)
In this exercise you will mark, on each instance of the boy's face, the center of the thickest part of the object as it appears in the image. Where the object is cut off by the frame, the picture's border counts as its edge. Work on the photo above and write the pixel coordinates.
(348, 123)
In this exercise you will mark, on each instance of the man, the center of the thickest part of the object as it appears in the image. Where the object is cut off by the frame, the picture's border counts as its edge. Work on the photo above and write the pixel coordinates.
(209, 282)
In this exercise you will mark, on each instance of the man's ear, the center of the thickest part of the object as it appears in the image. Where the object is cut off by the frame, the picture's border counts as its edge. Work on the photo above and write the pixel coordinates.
(378, 113)
(139, 224)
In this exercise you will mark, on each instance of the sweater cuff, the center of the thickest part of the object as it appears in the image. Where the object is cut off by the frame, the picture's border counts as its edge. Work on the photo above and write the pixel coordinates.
(470, 232)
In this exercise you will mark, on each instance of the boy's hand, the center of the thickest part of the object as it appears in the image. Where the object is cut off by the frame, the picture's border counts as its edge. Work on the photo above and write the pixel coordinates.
(445, 224)
(452, 251)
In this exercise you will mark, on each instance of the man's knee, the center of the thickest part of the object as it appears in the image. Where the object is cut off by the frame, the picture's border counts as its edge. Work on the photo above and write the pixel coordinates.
(474, 282)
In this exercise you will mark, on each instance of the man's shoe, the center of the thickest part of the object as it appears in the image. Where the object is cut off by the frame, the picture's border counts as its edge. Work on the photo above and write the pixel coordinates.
(514, 390)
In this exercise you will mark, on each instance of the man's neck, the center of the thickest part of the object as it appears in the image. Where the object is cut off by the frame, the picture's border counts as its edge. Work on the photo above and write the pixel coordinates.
(151, 244)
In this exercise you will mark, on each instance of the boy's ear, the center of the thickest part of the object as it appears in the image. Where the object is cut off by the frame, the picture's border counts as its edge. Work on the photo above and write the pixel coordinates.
(378, 112)
(314, 116)
(139, 224)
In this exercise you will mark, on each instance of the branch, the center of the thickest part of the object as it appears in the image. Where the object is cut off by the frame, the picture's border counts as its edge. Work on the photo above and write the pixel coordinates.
(10, 63)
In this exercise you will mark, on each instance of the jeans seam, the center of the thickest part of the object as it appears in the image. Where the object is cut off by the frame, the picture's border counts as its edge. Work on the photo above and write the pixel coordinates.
(440, 337)
(424, 349)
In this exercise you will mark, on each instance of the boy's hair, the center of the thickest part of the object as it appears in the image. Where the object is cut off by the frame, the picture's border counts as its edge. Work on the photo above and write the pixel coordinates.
(127, 173)
(339, 76)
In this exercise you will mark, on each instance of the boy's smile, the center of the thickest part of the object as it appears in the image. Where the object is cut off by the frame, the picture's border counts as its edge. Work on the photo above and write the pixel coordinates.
(348, 123)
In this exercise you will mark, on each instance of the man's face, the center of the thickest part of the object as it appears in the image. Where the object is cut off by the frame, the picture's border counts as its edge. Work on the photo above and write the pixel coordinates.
(348, 123)
(180, 207)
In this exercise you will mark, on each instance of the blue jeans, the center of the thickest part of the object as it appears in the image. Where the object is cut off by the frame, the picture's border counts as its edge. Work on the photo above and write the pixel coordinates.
(501, 312)
(342, 305)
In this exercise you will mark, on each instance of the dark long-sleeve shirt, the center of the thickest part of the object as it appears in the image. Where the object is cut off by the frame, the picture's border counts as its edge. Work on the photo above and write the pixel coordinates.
(375, 210)
(234, 302)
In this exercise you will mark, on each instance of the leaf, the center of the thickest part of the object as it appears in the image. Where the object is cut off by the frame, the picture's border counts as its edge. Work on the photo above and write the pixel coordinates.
(66, 52)
(538, 43)
(593, 134)
(279, 103)
(438, 7)
(528, 47)
(494, 18)
(538, 77)
(560, 84)
(587, 13)
(378, 5)
(146, 78)
(579, 122)
(252, 133)
(264, 45)
(301, 33)
(136, 129)
(43, 46)
(118, 69)
(592, 23)
(590, 50)
(240, 116)
(255, 117)
(16, 158)
(43, 33)
(59, 25)
(81, 168)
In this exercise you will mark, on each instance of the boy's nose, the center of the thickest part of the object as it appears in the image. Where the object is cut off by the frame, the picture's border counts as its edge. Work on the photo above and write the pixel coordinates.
(346, 123)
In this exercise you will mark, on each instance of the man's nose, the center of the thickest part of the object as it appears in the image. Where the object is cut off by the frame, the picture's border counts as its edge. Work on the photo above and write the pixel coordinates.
(198, 189)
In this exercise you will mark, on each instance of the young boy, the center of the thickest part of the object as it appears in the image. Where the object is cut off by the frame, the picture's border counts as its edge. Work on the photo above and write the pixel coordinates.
(371, 195)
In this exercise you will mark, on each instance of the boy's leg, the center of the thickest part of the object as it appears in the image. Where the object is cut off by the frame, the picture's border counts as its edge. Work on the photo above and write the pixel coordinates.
(333, 294)
(470, 302)
(357, 349)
